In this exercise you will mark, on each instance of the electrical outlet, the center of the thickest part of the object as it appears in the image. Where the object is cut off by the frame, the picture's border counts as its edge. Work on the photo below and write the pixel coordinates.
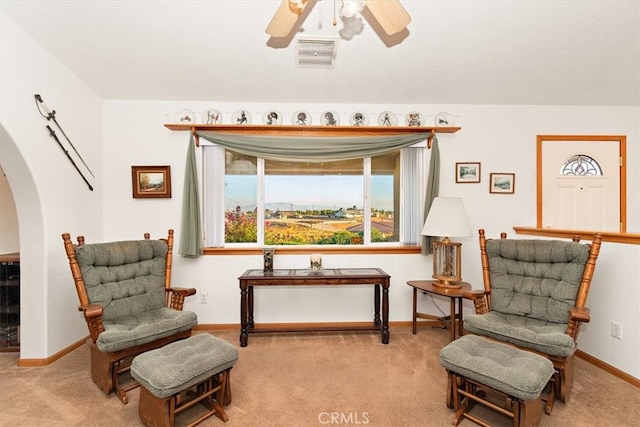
(204, 297)
(425, 296)
(616, 330)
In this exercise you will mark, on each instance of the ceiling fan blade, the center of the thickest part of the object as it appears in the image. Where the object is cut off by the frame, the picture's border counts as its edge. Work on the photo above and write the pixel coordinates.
(390, 14)
(284, 20)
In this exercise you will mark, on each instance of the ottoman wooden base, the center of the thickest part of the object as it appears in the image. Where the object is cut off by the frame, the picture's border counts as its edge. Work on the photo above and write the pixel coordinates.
(182, 374)
(483, 371)
(467, 393)
(156, 411)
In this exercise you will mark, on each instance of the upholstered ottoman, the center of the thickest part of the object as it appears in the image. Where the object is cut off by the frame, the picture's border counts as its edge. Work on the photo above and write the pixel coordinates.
(479, 368)
(179, 375)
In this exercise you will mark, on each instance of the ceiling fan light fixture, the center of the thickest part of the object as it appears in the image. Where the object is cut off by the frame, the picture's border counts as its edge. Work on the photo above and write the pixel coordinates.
(351, 7)
(296, 6)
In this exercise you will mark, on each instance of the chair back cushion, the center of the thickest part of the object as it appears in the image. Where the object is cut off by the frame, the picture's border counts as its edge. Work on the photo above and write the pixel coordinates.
(126, 278)
(538, 279)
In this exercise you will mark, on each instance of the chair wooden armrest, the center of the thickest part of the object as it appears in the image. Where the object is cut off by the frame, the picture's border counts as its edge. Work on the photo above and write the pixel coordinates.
(473, 294)
(91, 310)
(183, 291)
(577, 316)
(176, 296)
(580, 314)
(480, 300)
(93, 316)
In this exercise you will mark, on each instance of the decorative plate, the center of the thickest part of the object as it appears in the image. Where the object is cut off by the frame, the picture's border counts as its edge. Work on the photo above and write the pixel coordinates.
(444, 119)
(185, 117)
(211, 117)
(387, 118)
(241, 117)
(359, 119)
(414, 118)
(272, 117)
(301, 118)
(330, 118)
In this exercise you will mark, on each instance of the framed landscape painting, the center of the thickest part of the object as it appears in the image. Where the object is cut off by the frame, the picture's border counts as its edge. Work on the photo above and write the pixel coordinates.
(467, 172)
(151, 181)
(502, 183)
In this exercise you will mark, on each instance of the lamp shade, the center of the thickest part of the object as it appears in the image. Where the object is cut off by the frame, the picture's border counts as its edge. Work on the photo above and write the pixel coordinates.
(447, 218)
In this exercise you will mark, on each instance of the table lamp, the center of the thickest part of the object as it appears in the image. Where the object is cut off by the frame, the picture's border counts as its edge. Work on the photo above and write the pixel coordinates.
(447, 218)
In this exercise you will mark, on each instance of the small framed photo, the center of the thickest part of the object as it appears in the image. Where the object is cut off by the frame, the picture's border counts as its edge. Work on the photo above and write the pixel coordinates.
(502, 183)
(151, 181)
(467, 172)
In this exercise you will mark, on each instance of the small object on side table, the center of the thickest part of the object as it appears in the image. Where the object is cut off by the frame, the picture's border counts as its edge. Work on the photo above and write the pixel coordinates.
(316, 262)
(267, 256)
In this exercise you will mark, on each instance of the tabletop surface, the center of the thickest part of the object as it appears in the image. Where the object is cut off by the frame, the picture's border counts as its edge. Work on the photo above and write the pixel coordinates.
(428, 286)
(324, 272)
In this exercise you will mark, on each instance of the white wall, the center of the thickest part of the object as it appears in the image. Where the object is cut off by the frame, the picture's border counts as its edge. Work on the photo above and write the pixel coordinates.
(50, 197)
(114, 135)
(502, 138)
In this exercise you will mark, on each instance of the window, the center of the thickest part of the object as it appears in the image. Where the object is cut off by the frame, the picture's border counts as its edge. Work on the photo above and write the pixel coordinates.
(581, 165)
(313, 203)
(366, 201)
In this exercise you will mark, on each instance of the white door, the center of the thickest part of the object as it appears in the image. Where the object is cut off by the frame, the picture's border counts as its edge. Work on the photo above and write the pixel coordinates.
(581, 185)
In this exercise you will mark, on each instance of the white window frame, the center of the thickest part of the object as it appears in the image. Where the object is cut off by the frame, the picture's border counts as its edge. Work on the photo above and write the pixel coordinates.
(413, 182)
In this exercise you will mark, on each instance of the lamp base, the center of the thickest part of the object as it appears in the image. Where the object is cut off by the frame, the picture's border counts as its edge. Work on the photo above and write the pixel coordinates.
(447, 284)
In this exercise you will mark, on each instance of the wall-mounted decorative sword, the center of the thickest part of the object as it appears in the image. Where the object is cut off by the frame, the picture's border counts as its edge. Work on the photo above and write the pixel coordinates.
(52, 133)
(51, 115)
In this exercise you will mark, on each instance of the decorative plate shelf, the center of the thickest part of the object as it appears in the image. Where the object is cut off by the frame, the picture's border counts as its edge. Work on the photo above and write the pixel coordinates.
(314, 130)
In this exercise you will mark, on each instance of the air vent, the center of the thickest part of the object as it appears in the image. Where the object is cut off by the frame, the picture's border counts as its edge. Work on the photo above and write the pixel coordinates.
(316, 52)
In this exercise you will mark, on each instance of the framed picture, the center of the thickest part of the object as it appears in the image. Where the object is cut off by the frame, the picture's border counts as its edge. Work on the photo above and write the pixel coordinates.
(151, 181)
(467, 172)
(502, 183)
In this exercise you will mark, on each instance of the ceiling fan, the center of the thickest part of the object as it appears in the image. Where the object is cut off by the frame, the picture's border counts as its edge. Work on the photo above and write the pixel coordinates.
(390, 14)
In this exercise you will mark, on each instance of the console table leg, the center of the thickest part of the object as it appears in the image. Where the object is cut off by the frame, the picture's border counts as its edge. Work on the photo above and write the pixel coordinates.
(376, 305)
(385, 313)
(415, 310)
(244, 335)
(452, 319)
(460, 321)
(250, 318)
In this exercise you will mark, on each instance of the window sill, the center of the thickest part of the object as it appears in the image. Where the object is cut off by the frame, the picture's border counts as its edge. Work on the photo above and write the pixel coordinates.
(626, 238)
(325, 249)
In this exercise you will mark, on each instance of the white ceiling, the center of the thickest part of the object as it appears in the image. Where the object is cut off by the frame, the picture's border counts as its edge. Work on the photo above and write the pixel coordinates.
(544, 52)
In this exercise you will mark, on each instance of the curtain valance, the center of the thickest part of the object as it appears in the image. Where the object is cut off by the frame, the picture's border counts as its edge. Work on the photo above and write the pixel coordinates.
(312, 148)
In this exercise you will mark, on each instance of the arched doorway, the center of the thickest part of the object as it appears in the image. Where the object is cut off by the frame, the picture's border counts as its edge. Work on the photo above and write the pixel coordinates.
(33, 257)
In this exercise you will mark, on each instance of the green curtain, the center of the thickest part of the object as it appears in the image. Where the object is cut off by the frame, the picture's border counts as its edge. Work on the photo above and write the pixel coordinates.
(312, 148)
(298, 148)
(433, 185)
(191, 225)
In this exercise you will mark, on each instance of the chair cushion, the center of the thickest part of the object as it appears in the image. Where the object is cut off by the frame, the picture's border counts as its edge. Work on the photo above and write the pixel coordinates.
(518, 373)
(539, 335)
(129, 331)
(538, 279)
(182, 364)
(126, 278)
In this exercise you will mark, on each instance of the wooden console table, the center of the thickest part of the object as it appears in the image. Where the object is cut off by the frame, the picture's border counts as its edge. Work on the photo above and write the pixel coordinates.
(325, 277)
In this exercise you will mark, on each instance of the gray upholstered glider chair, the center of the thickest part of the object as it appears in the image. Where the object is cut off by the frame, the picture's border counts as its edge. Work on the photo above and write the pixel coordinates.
(127, 302)
(534, 297)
